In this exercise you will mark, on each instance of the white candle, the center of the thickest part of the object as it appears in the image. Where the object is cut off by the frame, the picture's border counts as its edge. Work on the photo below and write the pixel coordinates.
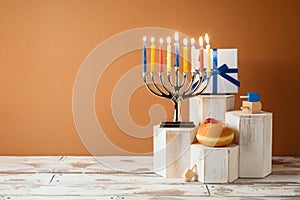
(192, 55)
(208, 68)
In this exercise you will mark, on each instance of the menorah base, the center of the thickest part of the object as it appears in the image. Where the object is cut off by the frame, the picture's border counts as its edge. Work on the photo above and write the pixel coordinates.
(177, 125)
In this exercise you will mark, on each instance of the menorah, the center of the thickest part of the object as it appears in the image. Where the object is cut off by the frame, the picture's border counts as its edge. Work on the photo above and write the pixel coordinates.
(177, 92)
(180, 89)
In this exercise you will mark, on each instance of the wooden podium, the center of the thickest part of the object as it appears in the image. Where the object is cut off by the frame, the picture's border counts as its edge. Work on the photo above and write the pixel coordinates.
(172, 150)
(253, 133)
(215, 164)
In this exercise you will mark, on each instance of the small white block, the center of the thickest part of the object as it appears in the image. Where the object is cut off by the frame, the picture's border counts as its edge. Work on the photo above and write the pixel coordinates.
(172, 150)
(214, 106)
(215, 164)
(253, 133)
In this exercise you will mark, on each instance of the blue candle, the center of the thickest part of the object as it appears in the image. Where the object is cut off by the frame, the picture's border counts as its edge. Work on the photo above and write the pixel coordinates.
(144, 67)
(176, 44)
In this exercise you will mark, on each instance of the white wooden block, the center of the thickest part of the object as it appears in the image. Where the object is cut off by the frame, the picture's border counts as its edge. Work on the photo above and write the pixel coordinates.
(205, 106)
(253, 132)
(172, 150)
(215, 164)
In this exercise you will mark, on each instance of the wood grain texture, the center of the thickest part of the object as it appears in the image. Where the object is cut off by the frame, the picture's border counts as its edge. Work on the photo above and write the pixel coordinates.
(253, 132)
(172, 150)
(215, 164)
(205, 106)
(71, 177)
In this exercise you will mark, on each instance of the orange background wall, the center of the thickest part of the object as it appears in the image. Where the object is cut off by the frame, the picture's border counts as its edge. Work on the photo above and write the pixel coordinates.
(43, 43)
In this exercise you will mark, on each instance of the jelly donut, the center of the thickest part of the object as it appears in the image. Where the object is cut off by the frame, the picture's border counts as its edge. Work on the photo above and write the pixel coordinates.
(213, 133)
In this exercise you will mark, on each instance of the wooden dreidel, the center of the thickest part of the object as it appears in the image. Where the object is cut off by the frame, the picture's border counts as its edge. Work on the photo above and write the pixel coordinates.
(251, 97)
(189, 174)
(251, 107)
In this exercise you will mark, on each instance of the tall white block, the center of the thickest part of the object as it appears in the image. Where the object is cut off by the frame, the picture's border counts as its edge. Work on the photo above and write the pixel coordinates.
(172, 150)
(205, 106)
(253, 132)
(215, 164)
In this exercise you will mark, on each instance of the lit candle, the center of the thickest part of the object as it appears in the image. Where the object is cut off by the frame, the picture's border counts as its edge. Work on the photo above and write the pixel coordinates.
(169, 54)
(185, 56)
(160, 58)
(201, 56)
(152, 55)
(176, 44)
(208, 68)
(192, 55)
(144, 67)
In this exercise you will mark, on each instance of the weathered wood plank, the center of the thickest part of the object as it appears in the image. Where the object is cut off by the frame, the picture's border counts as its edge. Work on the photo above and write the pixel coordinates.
(138, 197)
(280, 179)
(288, 165)
(76, 164)
(138, 184)
(256, 190)
(89, 164)
(106, 164)
(121, 189)
(29, 164)
(96, 184)
(22, 184)
(73, 177)
(119, 179)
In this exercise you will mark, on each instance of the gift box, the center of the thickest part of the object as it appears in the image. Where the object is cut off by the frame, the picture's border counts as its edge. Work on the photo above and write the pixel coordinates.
(224, 78)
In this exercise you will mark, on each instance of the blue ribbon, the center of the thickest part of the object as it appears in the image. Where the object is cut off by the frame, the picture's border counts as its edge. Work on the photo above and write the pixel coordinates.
(223, 71)
(215, 67)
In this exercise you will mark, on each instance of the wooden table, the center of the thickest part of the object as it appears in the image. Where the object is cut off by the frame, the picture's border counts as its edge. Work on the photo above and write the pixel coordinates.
(78, 177)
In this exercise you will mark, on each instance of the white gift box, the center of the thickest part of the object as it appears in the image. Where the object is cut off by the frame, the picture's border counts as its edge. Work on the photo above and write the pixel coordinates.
(221, 82)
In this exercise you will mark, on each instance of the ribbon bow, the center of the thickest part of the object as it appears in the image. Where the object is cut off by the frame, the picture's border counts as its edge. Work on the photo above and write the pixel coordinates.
(224, 70)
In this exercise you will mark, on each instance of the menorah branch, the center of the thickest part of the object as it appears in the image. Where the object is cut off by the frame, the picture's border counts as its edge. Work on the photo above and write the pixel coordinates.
(150, 89)
(174, 94)
(155, 85)
(163, 83)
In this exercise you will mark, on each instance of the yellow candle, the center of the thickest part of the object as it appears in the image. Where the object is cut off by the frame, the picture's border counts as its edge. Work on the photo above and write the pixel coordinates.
(185, 56)
(208, 67)
(169, 54)
(152, 68)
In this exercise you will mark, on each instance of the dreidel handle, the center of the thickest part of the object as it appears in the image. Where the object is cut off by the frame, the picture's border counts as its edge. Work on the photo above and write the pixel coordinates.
(251, 97)
(245, 107)
(194, 166)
